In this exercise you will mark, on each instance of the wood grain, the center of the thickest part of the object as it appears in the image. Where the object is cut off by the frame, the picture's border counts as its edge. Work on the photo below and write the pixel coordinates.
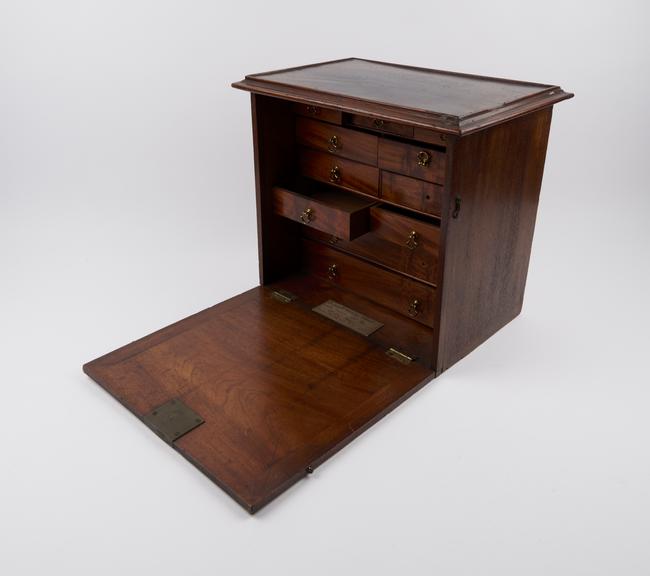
(411, 193)
(280, 389)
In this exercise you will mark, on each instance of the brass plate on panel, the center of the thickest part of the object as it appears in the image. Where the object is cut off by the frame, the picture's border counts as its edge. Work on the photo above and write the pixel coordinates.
(347, 317)
(172, 420)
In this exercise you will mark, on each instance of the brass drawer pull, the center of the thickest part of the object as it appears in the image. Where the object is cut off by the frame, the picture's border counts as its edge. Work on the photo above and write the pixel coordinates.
(378, 123)
(307, 216)
(412, 240)
(313, 110)
(424, 158)
(332, 271)
(414, 308)
(335, 175)
(334, 144)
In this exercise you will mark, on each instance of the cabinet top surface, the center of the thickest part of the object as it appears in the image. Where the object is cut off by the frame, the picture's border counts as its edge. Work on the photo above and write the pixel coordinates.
(451, 102)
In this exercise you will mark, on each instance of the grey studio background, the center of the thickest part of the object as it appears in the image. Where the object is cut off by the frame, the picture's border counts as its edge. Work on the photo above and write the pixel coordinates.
(127, 203)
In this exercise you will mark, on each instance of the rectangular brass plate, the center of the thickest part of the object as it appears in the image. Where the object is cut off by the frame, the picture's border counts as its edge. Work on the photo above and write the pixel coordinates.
(172, 420)
(347, 317)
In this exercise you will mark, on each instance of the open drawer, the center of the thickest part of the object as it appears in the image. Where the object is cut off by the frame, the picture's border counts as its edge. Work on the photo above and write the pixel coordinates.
(324, 208)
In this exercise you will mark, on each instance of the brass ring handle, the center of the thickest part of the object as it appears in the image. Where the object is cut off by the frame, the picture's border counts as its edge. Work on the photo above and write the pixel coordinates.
(414, 308)
(334, 144)
(424, 158)
(313, 110)
(332, 271)
(378, 123)
(307, 216)
(412, 240)
(335, 175)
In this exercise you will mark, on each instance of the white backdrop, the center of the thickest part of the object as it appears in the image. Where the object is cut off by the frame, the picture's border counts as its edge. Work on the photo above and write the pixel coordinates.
(127, 202)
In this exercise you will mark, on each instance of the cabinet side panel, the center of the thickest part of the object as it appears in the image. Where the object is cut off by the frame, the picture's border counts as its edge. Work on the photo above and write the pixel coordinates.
(497, 174)
(273, 142)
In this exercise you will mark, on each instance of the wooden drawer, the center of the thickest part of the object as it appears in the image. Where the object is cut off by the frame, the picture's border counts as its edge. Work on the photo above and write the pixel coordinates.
(318, 113)
(397, 241)
(381, 125)
(412, 160)
(417, 194)
(430, 136)
(342, 142)
(329, 210)
(345, 173)
(399, 293)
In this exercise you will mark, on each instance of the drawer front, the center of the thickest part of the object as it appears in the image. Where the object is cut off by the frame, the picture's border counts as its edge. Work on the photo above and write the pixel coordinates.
(318, 113)
(399, 293)
(430, 136)
(341, 142)
(417, 194)
(382, 125)
(345, 173)
(330, 214)
(412, 160)
(398, 242)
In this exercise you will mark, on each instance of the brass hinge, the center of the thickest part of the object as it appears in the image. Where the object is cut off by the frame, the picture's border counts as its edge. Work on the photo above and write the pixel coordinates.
(399, 356)
(283, 296)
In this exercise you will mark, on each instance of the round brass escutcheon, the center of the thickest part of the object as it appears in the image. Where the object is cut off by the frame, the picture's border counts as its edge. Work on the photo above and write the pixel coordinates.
(412, 240)
(332, 271)
(334, 144)
(424, 158)
(413, 310)
(335, 174)
(307, 216)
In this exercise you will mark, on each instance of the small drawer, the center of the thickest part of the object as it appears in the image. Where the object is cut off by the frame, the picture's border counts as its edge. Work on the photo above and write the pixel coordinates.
(411, 193)
(328, 210)
(396, 241)
(345, 173)
(399, 293)
(412, 160)
(385, 126)
(342, 142)
(430, 136)
(318, 113)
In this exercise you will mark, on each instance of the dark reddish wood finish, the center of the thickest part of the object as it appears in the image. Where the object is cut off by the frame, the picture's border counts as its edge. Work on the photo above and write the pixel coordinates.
(332, 211)
(497, 173)
(319, 113)
(411, 193)
(350, 144)
(347, 174)
(390, 244)
(392, 290)
(402, 158)
(280, 387)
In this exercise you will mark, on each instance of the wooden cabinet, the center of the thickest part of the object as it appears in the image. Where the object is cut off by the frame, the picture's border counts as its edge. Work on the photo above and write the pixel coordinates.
(395, 210)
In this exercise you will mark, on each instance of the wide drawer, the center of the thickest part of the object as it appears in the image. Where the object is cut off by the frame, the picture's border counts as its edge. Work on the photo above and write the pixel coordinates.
(345, 173)
(399, 293)
(396, 241)
(329, 210)
(385, 126)
(412, 193)
(318, 113)
(341, 142)
(412, 160)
